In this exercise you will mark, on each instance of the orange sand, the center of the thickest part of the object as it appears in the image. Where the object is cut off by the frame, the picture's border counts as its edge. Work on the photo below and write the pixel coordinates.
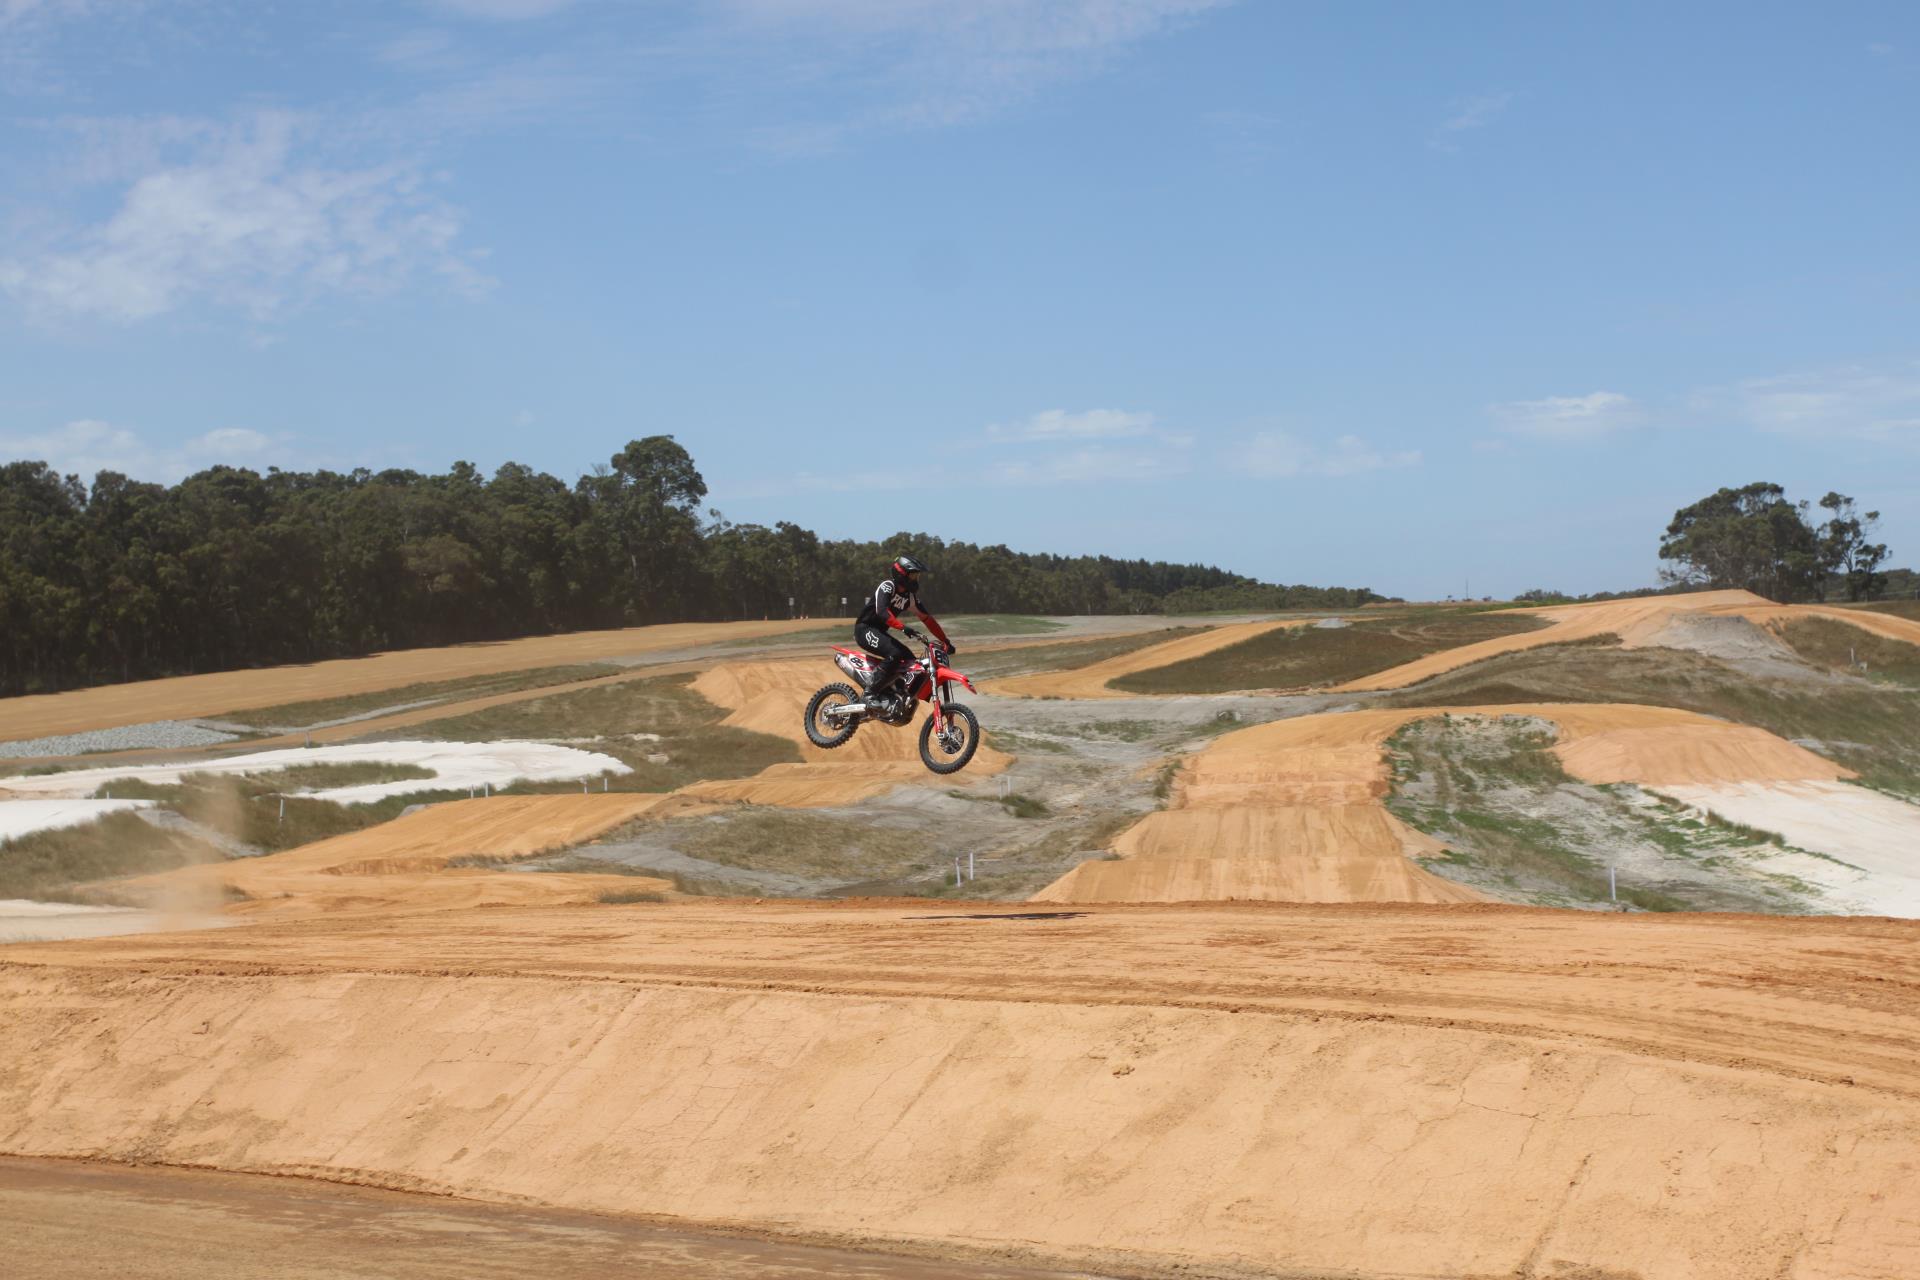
(1290, 811)
(1302, 1091)
(1638, 623)
(185, 697)
(404, 863)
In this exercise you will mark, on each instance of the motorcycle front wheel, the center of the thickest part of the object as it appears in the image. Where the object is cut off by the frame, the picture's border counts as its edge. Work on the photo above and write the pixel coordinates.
(823, 731)
(949, 749)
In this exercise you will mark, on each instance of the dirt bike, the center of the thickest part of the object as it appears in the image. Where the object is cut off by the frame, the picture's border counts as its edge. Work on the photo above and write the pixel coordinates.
(951, 733)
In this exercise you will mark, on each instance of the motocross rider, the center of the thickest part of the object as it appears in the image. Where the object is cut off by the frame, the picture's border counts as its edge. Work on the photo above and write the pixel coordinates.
(880, 615)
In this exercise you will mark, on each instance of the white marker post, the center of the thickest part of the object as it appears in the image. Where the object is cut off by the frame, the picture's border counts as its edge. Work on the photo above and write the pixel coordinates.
(1613, 885)
(970, 864)
(956, 873)
(283, 808)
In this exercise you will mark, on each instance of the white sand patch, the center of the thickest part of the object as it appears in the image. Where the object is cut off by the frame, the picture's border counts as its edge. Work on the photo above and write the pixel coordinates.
(25, 921)
(1877, 836)
(19, 817)
(456, 766)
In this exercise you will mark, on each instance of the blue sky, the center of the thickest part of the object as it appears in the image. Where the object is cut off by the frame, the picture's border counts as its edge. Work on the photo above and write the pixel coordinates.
(1407, 296)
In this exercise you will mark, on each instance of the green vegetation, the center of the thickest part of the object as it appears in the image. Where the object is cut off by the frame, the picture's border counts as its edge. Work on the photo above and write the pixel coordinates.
(1753, 538)
(325, 710)
(1014, 803)
(685, 728)
(358, 773)
(1066, 655)
(48, 865)
(1836, 646)
(620, 896)
(126, 580)
(1000, 624)
(1305, 657)
(1899, 608)
(977, 624)
(250, 813)
(1871, 728)
(807, 844)
(1516, 825)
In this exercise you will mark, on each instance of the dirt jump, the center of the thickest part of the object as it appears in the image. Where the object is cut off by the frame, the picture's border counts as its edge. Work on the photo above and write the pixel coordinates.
(406, 863)
(1389, 1090)
(1640, 623)
(186, 697)
(1264, 1040)
(1290, 811)
(1091, 681)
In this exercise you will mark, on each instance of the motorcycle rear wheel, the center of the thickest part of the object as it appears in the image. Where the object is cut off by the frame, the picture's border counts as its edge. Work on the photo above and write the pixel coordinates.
(949, 750)
(826, 733)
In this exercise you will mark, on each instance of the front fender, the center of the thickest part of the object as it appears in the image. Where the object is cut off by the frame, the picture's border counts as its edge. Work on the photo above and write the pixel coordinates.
(946, 675)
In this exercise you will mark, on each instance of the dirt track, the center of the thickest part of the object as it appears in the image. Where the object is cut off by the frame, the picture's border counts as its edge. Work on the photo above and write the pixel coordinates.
(1091, 681)
(1290, 811)
(1391, 1090)
(61, 1219)
(1638, 623)
(186, 697)
(405, 862)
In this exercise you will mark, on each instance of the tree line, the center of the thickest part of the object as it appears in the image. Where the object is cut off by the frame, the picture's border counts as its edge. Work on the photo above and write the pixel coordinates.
(127, 580)
(1754, 539)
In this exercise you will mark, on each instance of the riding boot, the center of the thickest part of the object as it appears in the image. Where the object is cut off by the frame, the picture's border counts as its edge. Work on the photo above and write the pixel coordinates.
(883, 677)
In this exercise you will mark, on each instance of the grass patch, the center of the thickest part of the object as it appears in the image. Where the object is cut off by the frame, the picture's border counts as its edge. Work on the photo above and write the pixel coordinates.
(1898, 608)
(1001, 624)
(1306, 657)
(1014, 803)
(1021, 743)
(249, 810)
(696, 746)
(1515, 823)
(322, 710)
(1838, 646)
(806, 844)
(1120, 730)
(48, 865)
(1066, 655)
(356, 773)
(615, 897)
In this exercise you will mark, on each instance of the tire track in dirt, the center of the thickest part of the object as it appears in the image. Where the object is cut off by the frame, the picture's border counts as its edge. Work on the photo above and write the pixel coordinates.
(1630, 1095)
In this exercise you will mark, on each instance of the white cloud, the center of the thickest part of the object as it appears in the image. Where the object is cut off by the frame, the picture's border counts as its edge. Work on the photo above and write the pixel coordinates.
(1087, 465)
(1596, 414)
(1280, 455)
(87, 445)
(245, 222)
(1880, 48)
(1059, 424)
(1472, 113)
(227, 442)
(1854, 401)
(929, 63)
(501, 10)
(1059, 446)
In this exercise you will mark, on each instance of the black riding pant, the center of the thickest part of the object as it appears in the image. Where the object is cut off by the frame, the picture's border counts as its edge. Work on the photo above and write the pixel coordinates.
(878, 641)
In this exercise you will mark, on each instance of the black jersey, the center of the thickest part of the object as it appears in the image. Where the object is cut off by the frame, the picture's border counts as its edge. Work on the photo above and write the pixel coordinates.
(889, 600)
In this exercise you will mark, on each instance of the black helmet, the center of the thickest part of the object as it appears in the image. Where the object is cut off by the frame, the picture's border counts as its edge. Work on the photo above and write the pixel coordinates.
(908, 570)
